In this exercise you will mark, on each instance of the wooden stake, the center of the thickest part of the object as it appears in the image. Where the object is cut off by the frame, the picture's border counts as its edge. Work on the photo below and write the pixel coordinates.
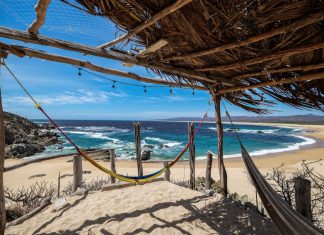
(77, 172)
(58, 185)
(40, 10)
(313, 76)
(303, 197)
(112, 164)
(219, 125)
(208, 170)
(168, 10)
(191, 131)
(310, 19)
(2, 147)
(137, 128)
(167, 173)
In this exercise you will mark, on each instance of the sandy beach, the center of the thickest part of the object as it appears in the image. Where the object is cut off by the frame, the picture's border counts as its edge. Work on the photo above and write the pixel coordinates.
(237, 177)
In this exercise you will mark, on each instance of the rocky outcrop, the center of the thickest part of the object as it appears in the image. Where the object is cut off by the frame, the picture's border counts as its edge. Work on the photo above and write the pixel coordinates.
(24, 138)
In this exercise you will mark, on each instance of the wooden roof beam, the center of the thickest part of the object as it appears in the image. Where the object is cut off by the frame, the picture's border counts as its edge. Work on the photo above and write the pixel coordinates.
(166, 11)
(40, 9)
(88, 50)
(303, 68)
(149, 50)
(313, 76)
(24, 51)
(264, 58)
(298, 24)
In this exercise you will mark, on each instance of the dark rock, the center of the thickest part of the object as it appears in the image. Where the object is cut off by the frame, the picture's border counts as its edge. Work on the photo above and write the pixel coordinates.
(24, 138)
(149, 146)
(146, 155)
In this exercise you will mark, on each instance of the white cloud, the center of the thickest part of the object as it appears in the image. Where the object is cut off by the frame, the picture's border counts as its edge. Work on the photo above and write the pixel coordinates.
(67, 97)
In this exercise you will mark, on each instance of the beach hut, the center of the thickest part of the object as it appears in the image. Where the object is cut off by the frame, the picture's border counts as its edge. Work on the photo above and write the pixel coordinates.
(248, 53)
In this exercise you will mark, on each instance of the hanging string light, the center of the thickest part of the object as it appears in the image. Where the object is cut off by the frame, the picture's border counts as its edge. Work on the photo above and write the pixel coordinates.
(113, 86)
(79, 73)
(145, 89)
(193, 91)
(171, 93)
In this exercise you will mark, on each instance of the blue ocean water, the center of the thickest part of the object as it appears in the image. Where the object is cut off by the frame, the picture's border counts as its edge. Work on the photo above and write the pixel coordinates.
(166, 139)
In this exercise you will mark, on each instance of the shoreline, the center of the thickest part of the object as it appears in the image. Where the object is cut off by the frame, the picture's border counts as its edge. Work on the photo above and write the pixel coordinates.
(237, 178)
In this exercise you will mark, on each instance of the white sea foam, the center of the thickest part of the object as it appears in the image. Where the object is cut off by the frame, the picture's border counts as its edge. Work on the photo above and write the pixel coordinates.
(292, 147)
(165, 143)
(96, 135)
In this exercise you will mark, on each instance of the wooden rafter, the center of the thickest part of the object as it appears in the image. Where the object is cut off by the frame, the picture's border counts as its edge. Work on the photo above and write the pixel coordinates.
(166, 11)
(310, 19)
(264, 58)
(304, 68)
(313, 76)
(40, 9)
(88, 50)
(24, 51)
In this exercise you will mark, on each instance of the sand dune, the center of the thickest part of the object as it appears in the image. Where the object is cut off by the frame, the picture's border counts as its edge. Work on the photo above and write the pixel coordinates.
(158, 208)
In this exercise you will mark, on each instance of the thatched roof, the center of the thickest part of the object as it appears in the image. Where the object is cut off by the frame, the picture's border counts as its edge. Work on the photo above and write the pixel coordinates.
(278, 40)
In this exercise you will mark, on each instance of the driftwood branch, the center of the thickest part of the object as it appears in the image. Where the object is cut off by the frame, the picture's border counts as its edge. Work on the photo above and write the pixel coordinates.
(24, 51)
(310, 19)
(264, 58)
(168, 10)
(88, 50)
(314, 76)
(44, 204)
(40, 10)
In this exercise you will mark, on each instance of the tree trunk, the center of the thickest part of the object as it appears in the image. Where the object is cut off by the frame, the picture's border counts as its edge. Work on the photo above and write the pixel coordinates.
(219, 125)
(138, 148)
(191, 130)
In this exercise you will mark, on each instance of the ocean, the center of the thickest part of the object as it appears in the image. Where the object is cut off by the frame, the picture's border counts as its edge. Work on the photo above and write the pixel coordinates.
(166, 139)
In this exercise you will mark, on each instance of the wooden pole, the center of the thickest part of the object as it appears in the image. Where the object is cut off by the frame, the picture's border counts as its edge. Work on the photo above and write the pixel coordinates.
(137, 128)
(112, 164)
(2, 147)
(219, 125)
(313, 76)
(58, 185)
(23, 51)
(167, 172)
(303, 197)
(77, 172)
(88, 50)
(191, 131)
(166, 11)
(208, 170)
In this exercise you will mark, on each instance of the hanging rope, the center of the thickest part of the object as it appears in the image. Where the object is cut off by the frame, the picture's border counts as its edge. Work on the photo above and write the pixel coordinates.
(287, 220)
(132, 179)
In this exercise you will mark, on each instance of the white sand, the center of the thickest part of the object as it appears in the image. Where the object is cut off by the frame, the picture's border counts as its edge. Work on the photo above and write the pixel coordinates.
(157, 208)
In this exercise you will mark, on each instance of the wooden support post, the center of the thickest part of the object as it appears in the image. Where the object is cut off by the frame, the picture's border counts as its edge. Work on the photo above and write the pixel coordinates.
(58, 185)
(2, 147)
(219, 125)
(191, 131)
(208, 170)
(167, 171)
(112, 164)
(137, 128)
(77, 172)
(303, 197)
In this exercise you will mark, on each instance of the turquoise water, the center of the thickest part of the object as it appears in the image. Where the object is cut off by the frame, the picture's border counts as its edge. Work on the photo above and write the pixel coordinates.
(166, 139)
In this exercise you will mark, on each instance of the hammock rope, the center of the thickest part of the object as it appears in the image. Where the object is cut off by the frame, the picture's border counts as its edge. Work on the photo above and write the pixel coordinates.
(287, 220)
(131, 179)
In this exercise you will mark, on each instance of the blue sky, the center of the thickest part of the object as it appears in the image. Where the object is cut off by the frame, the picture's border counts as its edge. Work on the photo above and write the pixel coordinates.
(65, 95)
